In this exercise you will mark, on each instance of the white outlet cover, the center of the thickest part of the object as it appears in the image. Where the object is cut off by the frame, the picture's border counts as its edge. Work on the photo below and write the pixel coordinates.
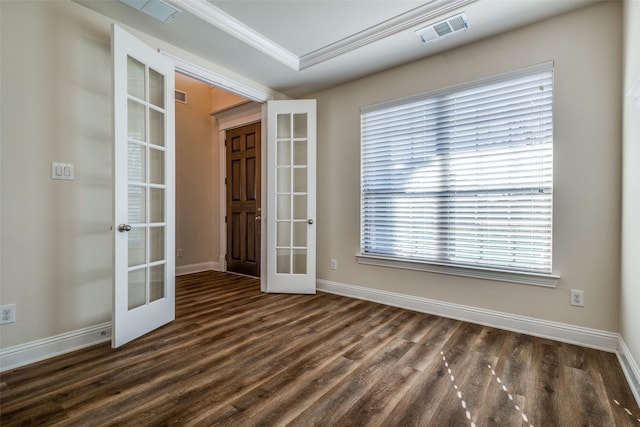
(63, 171)
(7, 314)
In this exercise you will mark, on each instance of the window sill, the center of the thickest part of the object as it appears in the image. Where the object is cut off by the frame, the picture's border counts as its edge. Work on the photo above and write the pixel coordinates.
(536, 279)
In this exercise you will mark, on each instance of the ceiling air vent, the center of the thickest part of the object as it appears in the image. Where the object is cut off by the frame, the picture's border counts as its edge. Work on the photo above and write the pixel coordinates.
(181, 96)
(156, 9)
(443, 28)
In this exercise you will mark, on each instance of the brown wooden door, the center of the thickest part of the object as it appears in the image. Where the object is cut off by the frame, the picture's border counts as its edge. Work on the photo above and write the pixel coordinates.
(243, 199)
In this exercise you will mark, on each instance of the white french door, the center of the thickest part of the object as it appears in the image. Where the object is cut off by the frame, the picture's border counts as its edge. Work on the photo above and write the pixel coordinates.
(291, 192)
(144, 132)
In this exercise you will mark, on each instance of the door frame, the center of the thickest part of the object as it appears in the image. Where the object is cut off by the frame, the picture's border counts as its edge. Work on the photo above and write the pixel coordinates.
(230, 118)
(258, 95)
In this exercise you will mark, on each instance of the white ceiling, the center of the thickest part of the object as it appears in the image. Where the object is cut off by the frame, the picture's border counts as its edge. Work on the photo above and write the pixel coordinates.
(300, 46)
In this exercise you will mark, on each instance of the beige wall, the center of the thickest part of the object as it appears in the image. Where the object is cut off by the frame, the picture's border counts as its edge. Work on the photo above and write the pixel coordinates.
(56, 106)
(630, 295)
(222, 99)
(197, 177)
(586, 48)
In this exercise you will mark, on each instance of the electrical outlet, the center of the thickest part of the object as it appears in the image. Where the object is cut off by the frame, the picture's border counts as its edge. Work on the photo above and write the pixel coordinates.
(333, 264)
(577, 297)
(7, 314)
(179, 252)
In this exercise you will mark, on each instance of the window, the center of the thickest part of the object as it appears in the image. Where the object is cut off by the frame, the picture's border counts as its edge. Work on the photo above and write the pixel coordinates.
(462, 177)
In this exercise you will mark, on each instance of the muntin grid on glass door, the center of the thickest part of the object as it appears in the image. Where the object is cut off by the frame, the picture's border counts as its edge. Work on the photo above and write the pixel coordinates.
(291, 194)
(146, 184)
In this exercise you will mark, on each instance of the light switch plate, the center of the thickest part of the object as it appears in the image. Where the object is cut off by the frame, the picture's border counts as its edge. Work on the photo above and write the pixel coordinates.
(63, 171)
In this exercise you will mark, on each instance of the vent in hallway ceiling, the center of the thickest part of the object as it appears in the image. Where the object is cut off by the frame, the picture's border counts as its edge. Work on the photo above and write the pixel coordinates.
(443, 28)
(181, 96)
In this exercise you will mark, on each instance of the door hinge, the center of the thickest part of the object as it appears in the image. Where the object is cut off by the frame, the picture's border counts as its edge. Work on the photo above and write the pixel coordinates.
(225, 219)
(225, 142)
(225, 180)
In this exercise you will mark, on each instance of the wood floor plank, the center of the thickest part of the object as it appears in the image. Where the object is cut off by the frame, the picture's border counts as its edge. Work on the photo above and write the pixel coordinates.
(237, 357)
(544, 392)
(328, 409)
(434, 385)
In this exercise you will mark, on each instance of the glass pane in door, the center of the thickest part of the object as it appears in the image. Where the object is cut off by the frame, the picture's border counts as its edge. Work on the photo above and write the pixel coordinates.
(300, 125)
(284, 125)
(156, 88)
(300, 179)
(156, 200)
(283, 261)
(156, 127)
(137, 288)
(137, 207)
(156, 166)
(156, 244)
(299, 261)
(137, 162)
(137, 246)
(157, 282)
(135, 78)
(136, 120)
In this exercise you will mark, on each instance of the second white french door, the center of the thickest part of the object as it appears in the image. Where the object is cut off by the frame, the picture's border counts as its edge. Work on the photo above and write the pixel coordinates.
(291, 196)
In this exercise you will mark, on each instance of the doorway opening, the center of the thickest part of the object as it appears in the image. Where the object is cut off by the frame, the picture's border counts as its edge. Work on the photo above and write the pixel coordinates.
(218, 187)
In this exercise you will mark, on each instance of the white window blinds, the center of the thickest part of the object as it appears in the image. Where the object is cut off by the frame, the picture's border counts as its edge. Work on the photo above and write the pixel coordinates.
(462, 176)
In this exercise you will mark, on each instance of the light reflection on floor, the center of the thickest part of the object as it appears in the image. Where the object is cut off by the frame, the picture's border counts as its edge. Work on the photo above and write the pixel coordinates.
(504, 388)
(626, 410)
(463, 403)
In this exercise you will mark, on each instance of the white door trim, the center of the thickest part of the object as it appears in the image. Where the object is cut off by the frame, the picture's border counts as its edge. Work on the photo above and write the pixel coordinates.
(216, 79)
(243, 114)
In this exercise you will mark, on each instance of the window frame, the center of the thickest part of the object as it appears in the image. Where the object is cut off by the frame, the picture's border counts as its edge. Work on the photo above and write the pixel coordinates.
(546, 278)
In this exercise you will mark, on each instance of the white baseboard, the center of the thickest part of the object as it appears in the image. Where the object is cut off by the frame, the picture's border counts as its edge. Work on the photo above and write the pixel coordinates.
(197, 268)
(24, 354)
(630, 368)
(586, 337)
(35, 351)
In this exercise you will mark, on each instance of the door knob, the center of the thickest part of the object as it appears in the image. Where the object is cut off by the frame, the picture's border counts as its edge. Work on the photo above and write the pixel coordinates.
(258, 218)
(310, 221)
(124, 227)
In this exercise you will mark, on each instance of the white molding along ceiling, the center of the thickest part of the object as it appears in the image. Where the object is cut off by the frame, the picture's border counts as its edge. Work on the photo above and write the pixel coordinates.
(229, 24)
(396, 24)
(297, 47)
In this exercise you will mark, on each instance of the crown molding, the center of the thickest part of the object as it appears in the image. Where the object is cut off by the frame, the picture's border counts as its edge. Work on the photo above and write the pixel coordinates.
(217, 17)
(402, 22)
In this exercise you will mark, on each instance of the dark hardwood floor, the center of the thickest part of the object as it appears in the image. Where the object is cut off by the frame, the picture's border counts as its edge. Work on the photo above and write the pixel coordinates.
(237, 357)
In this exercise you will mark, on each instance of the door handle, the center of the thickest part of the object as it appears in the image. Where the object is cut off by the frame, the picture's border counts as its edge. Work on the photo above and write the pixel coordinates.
(124, 227)
(310, 221)
(258, 218)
